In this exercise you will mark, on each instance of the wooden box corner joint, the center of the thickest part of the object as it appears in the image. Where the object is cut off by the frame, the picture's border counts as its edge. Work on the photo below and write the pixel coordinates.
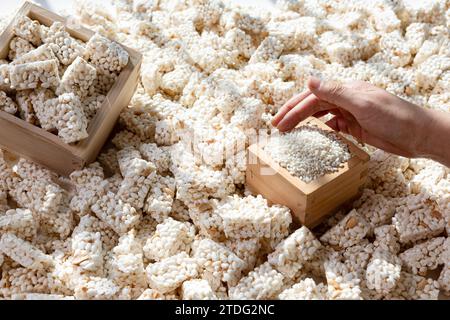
(36, 144)
(311, 202)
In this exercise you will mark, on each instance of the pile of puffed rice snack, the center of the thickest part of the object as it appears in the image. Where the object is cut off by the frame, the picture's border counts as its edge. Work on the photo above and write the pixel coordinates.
(308, 152)
(153, 219)
(55, 81)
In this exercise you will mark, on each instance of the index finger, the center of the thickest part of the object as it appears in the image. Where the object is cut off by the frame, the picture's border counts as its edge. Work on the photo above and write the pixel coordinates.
(288, 106)
(308, 107)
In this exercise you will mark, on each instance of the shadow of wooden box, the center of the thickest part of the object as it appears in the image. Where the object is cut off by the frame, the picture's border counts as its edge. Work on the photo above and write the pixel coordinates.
(36, 144)
(310, 202)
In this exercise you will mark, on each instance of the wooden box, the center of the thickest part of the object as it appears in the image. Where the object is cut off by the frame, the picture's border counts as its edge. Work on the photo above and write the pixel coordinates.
(31, 142)
(309, 202)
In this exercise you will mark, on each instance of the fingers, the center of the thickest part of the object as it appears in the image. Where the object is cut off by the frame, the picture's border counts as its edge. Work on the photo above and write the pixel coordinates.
(306, 108)
(332, 92)
(288, 106)
(335, 112)
(348, 126)
(339, 124)
(352, 124)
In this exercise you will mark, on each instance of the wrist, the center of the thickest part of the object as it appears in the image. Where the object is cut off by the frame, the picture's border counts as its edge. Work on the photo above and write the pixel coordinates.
(433, 138)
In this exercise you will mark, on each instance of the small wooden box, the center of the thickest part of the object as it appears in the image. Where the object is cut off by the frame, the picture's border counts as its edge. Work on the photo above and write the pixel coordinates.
(309, 202)
(31, 142)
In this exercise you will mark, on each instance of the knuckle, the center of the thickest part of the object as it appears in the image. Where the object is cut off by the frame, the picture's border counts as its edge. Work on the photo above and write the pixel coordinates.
(335, 88)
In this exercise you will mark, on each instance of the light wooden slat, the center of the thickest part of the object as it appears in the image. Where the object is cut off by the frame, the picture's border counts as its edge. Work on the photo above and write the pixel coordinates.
(16, 136)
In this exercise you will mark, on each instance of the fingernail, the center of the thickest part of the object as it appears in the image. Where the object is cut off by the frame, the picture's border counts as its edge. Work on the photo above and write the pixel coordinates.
(274, 121)
(314, 83)
(282, 126)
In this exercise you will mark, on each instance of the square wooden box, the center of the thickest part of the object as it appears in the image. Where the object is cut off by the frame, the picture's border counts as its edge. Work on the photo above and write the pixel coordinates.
(31, 142)
(309, 202)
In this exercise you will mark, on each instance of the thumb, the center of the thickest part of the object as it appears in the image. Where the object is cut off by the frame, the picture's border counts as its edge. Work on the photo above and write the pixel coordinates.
(332, 92)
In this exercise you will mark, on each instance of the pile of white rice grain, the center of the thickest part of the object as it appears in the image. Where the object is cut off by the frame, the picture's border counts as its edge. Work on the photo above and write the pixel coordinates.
(308, 152)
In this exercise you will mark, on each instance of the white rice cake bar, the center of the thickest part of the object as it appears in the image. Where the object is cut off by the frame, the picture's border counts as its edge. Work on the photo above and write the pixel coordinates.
(387, 238)
(246, 249)
(208, 222)
(375, 208)
(160, 156)
(24, 252)
(291, 253)
(280, 220)
(33, 74)
(120, 216)
(27, 169)
(170, 273)
(429, 71)
(86, 196)
(269, 49)
(315, 266)
(357, 257)
(217, 262)
(41, 53)
(306, 289)
(343, 284)
(170, 238)
(90, 223)
(44, 106)
(197, 289)
(126, 264)
(263, 283)
(135, 186)
(25, 106)
(54, 213)
(348, 232)
(421, 11)
(91, 174)
(96, 288)
(78, 78)
(125, 156)
(160, 198)
(87, 250)
(18, 47)
(27, 29)
(106, 54)
(70, 119)
(414, 287)
(424, 256)
(243, 218)
(7, 104)
(114, 182)
(417, 218)
(92, 104)
(66, 48)
(20, 222)
(383, 271)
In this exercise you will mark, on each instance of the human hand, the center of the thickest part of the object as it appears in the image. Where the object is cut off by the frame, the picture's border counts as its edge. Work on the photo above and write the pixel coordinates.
(370, 114)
